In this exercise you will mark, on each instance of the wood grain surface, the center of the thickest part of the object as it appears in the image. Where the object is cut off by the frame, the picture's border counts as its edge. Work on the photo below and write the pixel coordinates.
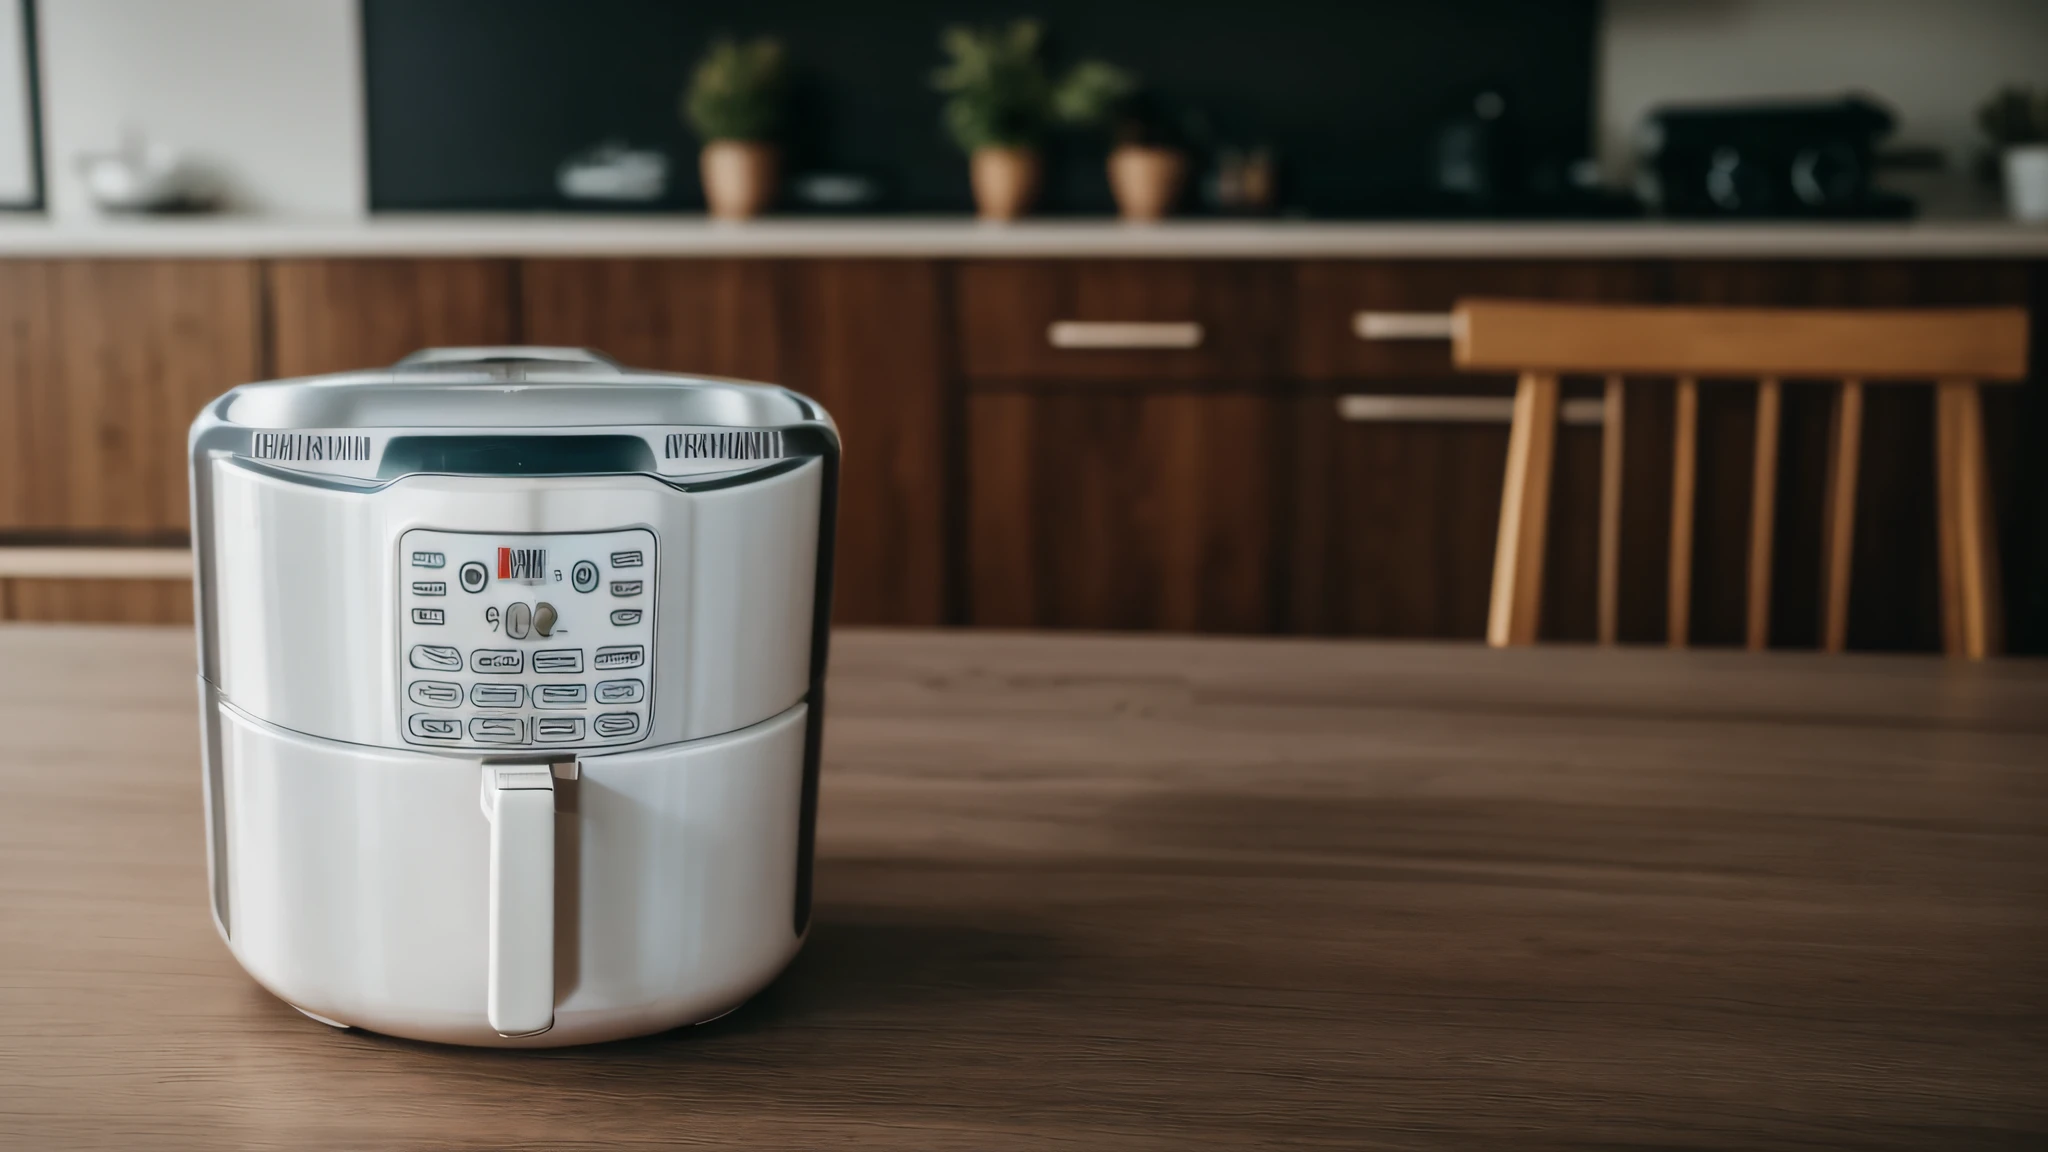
(103, 365)
(1091, 892)
(1133, 509)
(342, 315)
(864, 339)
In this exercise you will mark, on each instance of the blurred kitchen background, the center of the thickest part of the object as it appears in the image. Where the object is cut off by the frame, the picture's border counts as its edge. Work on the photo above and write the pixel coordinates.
(325, 108)
(204, 192)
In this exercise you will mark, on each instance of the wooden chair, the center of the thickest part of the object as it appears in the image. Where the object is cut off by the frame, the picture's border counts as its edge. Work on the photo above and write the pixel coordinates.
(1957, 349)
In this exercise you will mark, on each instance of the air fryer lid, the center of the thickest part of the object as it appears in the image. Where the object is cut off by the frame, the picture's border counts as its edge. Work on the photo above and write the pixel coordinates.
(512, 411)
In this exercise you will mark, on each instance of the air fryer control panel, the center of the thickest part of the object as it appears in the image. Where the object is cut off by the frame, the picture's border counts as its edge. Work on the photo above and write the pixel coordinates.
(525, 642)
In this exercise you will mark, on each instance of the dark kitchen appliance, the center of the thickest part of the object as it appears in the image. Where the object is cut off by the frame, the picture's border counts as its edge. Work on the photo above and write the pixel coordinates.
(1794, 159)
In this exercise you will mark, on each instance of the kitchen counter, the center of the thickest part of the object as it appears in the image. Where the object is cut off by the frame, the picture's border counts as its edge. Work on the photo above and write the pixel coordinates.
(1109, 892)
(568, 235)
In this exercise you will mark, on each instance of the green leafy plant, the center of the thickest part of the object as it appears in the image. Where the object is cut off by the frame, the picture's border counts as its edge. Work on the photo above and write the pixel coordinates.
(2015, 115)
(736, 91)
(1001, 96)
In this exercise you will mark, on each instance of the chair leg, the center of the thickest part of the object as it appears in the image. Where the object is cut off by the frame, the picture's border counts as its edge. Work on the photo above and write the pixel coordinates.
(1613, 421)
(1839, 533)
(1524, 512)
(1971, 624)
(1763, 505)
(1684, 476)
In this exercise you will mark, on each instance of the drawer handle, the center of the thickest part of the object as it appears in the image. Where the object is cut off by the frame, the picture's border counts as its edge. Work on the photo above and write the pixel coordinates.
(1377, 409)
(1405, 325)
(1124, 334)
(93, 563)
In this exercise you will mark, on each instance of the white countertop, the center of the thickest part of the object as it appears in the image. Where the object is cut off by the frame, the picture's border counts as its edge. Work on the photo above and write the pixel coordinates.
(463, 234)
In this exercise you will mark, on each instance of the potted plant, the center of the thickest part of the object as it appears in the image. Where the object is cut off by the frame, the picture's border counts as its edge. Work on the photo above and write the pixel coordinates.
(2016, 120)
(1001, 102)
(1148, 164)
(734, 103)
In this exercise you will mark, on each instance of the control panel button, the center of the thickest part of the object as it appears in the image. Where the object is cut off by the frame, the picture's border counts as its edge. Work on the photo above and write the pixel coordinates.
(621, 691)
(625, 617)
(554, 729)
(497, 730)
(429, 616)
(473, 576)
(518, 621)
(497, 695)
(430, 587)
(627, 559)
(497, 661)
(618, 656)
(544, 617)
(434, 727)
(560, 695)
(429, 560)
(435, 658)
(625, 587)
(583, 577)
(558, 661)
(434, 693)
(612, 725)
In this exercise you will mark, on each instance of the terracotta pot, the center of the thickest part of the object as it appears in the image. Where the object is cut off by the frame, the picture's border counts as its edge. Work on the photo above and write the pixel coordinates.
(1146, 180)
(739, 177)
(1005, 181)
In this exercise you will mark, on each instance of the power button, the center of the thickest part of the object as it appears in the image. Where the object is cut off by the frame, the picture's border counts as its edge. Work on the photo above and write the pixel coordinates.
(473, 576)
(583, 577)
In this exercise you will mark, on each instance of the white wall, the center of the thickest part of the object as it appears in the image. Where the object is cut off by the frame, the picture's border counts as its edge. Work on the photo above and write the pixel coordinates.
(17, 156)
(267, 93)
(1932, 61)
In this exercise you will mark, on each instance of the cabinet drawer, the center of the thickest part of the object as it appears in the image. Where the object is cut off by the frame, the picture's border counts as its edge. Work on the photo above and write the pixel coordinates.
(1020, 321)
(1388, 317)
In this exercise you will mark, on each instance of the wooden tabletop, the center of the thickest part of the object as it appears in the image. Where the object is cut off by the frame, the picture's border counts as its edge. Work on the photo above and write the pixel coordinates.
(1165, 893)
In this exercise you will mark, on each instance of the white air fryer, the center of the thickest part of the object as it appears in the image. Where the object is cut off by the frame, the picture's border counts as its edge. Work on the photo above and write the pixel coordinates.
(510, 672)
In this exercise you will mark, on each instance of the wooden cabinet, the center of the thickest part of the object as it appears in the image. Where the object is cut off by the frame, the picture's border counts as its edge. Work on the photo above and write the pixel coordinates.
(1394, 522)
(1395, 512)
(1135, 509)
(106, 363)
(863, 337)
(335, 315)
(716, 317)
(867, 344)
(1132, 321)
(1066, 443)
(1123, 432)
(1329, 297)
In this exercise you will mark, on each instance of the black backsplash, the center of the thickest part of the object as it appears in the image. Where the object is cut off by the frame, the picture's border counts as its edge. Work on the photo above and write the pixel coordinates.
(473, 103)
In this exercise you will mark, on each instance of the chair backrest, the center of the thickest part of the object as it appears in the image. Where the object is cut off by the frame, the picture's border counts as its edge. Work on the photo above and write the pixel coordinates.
(1957, 349)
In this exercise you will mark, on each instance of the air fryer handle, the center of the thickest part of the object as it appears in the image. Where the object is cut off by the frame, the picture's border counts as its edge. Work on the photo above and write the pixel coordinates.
(520, 992)
(489, 353)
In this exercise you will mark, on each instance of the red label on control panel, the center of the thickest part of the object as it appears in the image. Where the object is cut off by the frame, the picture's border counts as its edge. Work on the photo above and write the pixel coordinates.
(523, 565)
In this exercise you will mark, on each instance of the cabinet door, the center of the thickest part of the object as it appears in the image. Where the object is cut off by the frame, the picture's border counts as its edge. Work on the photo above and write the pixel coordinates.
(336, 315)
(867, 346)
(715, 317)
(1395, 521)
(106, 364)
(1122, 510)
